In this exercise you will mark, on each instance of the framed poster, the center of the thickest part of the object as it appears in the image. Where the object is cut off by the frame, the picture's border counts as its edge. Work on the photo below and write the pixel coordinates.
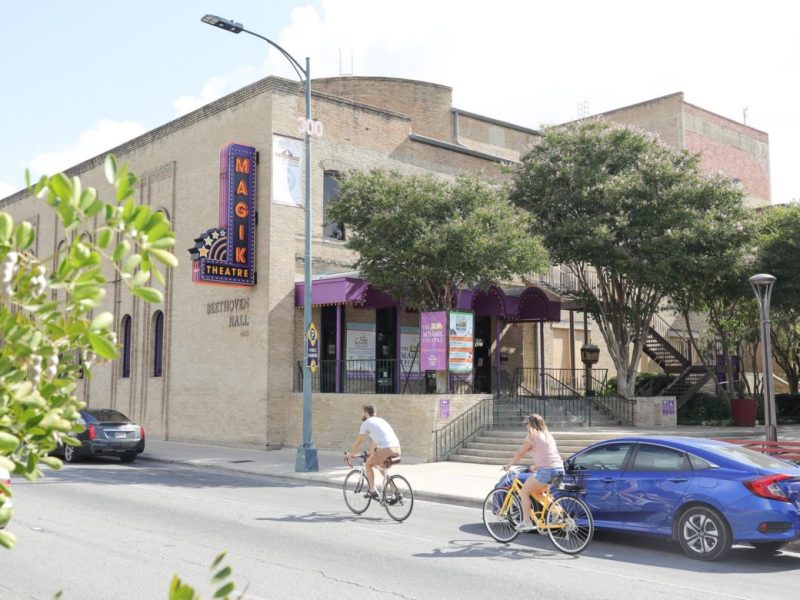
(462, 340)
(433, 341)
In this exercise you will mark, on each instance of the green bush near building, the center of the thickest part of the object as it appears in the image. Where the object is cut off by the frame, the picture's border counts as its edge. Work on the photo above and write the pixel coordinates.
(705, 409)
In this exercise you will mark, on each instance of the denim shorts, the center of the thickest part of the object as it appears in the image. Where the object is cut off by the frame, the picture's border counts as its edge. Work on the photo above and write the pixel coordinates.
(547, 475)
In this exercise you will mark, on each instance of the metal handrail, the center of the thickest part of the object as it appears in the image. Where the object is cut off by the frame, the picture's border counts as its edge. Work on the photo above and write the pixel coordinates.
(464, 427)
(620, 407)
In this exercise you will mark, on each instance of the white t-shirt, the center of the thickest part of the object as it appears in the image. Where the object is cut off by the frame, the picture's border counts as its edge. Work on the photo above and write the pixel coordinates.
(380, 432)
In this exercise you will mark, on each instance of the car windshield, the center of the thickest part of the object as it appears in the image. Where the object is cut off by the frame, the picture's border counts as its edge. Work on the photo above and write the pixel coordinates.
(106, 415)
(749, 457)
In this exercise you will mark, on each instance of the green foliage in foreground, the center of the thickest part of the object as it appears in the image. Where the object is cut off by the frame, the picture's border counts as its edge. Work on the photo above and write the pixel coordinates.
(51, 329)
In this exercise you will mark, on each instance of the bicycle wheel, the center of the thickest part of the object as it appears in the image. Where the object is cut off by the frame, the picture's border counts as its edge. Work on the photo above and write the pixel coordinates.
(398, 497)
(354, 488)
(570, 524)
(501, 526)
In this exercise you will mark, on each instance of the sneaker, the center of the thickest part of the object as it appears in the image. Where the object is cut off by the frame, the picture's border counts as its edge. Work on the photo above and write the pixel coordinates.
(371, 495)
(523, 526)
(395, 500)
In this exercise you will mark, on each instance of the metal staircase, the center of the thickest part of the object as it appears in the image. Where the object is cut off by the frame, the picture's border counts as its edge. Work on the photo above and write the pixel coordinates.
(664, 345)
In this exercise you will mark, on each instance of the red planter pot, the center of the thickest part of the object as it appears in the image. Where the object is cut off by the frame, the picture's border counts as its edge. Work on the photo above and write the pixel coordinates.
(744, 411)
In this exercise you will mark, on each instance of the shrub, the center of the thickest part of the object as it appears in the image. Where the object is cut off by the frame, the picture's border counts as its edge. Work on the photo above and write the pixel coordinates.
(705, 409)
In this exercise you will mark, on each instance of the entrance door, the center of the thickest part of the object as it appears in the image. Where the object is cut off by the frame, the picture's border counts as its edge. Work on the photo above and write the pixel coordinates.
(483, 356)
(385, 349)
(328, 366)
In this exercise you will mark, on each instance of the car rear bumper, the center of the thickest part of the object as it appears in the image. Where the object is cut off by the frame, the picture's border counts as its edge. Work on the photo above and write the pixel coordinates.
(776, 515)
(115, 447)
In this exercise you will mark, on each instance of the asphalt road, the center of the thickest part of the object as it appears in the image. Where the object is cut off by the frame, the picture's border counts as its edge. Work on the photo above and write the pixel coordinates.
(103, 530)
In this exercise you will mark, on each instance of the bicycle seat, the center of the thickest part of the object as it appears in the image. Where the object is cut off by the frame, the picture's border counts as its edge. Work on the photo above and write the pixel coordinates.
(394, 459)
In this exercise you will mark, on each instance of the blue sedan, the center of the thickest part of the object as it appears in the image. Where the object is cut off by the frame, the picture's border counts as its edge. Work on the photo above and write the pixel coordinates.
(706, 494)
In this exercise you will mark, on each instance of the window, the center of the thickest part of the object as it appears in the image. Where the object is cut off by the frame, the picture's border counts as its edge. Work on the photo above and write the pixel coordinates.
(158, 343)
(659, 458)
(609, 457)
(698, 464)
(330, 192)
(126, 346)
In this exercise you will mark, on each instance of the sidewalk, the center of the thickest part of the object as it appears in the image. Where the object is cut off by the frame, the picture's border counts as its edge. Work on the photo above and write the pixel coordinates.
(448, 482)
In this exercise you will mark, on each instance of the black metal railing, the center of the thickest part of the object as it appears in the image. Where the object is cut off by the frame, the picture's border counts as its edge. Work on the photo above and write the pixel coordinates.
(378, 376)
(607, 401)
(672, 336)
(556, 383)
(464, 427)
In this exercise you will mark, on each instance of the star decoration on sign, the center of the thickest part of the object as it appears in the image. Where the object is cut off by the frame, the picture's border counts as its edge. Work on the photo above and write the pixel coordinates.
(204, 244)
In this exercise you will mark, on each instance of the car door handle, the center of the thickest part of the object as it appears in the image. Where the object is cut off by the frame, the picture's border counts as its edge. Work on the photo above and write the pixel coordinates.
(609, 479)
(679, 479)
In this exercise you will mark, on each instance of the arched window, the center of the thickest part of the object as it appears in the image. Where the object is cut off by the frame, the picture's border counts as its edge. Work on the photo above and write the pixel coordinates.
(126, 346)
(158, 343)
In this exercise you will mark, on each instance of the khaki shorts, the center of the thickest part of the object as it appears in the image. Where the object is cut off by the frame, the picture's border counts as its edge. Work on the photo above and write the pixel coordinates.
(379, 456)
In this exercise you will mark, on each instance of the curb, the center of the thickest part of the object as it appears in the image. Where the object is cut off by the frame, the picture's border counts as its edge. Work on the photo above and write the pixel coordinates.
(317, 480)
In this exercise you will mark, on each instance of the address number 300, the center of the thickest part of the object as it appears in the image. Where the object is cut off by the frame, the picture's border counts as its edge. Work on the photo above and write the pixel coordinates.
(309, 126)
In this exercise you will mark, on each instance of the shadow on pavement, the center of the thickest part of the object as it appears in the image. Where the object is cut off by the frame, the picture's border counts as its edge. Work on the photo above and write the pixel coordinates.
(618, 547)
(322, 517)
(111, 471)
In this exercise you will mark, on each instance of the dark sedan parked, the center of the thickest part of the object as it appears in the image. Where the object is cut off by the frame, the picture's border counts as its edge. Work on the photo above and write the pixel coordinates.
(704, 493)
(108, 432)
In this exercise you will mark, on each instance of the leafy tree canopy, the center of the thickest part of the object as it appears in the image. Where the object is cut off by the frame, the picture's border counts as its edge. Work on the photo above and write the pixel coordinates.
(421, 239)
(629, 217)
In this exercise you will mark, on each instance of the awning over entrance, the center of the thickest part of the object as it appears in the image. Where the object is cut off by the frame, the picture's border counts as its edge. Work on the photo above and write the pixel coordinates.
(513, 304)
(330, 290)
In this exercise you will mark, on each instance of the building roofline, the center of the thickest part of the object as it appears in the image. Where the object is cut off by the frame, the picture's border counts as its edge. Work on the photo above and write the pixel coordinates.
(724, 118)
(414, 137)
(267, 84)
(473, 115)
(380, 78)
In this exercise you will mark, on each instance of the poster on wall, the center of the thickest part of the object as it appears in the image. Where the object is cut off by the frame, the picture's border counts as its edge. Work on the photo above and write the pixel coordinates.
(409, 349)
(360, 345)
(433, 341)
(287, 155)
(461, 342)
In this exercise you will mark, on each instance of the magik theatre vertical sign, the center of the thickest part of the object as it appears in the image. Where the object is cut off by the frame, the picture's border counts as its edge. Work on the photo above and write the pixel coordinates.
(226, 255)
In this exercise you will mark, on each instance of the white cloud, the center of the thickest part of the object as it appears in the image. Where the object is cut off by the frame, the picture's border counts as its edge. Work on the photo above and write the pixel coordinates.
(101, 137)
(6, 189)
(218, 86)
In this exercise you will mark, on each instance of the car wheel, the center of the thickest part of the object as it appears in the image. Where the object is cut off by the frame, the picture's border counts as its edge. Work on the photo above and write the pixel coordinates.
(128, 457)
(703, 533)
(767, 548)
(70, 453)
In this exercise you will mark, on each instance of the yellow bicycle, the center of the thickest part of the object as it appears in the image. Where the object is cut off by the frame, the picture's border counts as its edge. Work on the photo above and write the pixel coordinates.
(566, 519)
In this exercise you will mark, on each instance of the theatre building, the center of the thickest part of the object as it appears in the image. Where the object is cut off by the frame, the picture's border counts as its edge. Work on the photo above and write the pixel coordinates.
(219, 360)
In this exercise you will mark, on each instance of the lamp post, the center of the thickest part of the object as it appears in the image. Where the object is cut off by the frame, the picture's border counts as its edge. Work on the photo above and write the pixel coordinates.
(590, 354)
(762, 288)
(306, 459)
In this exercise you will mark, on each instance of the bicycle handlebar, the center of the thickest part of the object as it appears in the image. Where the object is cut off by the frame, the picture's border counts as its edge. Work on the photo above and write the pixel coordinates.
(363, 456)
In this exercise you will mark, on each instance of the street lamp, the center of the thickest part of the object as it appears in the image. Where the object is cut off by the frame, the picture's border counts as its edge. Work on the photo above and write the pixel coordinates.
(590, 354)
(306, 459)
(762, 288)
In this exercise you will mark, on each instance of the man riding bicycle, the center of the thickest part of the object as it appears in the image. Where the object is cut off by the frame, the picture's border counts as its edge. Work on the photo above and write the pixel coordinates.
(384, 444)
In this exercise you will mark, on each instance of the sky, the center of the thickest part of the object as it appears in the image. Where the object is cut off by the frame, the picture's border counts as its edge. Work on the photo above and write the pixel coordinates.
(78, 78)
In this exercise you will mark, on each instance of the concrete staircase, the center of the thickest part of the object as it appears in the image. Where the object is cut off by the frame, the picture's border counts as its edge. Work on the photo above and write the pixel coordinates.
(496, 446)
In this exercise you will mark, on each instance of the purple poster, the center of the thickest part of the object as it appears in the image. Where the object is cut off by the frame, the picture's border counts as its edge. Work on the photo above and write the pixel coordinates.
(444, 408)
(433, 341)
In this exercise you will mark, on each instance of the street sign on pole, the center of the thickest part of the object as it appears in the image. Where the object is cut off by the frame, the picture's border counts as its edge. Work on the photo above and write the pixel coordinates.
(312, 347)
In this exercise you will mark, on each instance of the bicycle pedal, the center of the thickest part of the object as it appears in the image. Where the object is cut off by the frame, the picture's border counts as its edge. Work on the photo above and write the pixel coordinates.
(395, 500)
(371, 495)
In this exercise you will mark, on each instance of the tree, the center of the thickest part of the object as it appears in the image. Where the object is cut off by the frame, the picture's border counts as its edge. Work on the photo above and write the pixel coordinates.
(628, 216)
(50, 331)
(778, 253)
(422, 239)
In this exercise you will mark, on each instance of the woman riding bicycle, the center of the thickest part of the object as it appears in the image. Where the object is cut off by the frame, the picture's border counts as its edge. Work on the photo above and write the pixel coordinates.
(540, 446)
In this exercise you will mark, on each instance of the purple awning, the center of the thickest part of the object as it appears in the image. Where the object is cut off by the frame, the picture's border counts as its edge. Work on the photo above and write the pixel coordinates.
(512, 304)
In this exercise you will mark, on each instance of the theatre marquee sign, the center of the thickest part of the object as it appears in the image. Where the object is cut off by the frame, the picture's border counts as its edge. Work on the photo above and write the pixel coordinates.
(226, 255)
